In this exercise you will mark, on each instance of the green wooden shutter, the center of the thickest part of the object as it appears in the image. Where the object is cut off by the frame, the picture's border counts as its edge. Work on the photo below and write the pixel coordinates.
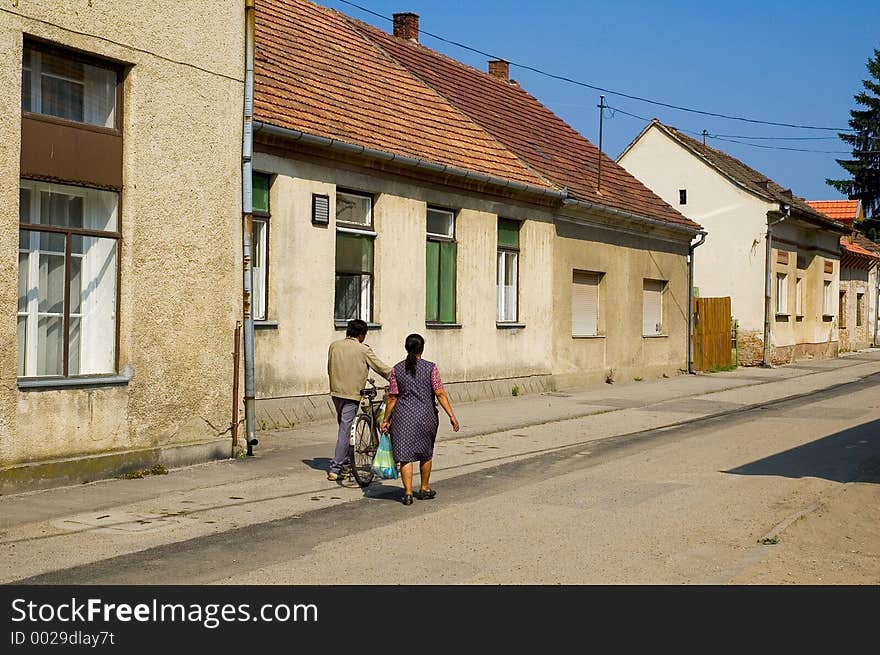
(508, 233)
(432, 281)
(447, 282)
(261, 193)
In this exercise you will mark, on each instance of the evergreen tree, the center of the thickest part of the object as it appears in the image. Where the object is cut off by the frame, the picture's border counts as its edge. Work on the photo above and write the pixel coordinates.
(864, 167)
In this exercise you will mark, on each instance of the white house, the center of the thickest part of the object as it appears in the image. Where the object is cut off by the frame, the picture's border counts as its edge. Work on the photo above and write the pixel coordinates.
(776, 257)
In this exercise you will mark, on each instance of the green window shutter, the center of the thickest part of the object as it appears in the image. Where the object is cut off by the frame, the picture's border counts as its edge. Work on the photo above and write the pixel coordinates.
(508, 233)
(447, 282)
(261, 193)
(354, 253)
(432, 281)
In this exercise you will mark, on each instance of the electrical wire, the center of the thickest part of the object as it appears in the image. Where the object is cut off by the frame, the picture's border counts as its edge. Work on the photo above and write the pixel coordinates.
(610, 91)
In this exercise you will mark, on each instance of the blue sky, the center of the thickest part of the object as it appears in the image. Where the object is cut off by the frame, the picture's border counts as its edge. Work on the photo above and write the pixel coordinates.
(781, 61)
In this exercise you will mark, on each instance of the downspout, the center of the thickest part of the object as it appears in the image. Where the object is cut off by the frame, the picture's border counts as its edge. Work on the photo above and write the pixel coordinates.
(247, 215)
(768, 268)
(690, 331)
(876, 304)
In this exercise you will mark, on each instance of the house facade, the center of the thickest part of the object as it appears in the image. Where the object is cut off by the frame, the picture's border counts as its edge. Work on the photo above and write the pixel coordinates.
(120, 226)
(399, 186)
(738, 207)
(857, 306)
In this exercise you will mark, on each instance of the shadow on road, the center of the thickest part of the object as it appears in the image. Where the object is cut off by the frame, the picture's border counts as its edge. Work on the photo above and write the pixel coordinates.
(849, 456)
(318, 463)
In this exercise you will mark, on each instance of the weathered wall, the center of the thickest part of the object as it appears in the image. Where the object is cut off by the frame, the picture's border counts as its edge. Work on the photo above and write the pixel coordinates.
(734, 219)
(813, 248)
(625, 262)
(180, 221)
(291, 358)
(855, 281)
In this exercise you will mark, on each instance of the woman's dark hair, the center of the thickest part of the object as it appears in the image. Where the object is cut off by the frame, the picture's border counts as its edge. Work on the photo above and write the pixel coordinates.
(415, 345)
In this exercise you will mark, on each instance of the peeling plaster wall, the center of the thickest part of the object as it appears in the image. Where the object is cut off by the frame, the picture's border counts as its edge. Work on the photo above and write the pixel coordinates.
(291, 360)
(180, 257)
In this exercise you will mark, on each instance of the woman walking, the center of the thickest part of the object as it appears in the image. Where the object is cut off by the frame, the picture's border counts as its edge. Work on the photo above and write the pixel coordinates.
(412, 416)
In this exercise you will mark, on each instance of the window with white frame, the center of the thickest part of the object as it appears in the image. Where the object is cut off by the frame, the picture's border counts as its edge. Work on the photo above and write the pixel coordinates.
(260, 248)
(799, 296)
(828, 299)
(860, 308)
(354, 256)
(782, 293)
(652, 308)
(508, 271)
(63, 85)
(440, 266)
(67, 277)
(584, 304)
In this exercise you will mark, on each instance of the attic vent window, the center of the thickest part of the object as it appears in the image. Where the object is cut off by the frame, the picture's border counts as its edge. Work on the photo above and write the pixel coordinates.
(682, 197)
(320, 209)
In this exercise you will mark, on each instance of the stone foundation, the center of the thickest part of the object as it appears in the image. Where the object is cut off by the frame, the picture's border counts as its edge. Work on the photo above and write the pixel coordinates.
(750, 350)
(283, 413)
(749, 347)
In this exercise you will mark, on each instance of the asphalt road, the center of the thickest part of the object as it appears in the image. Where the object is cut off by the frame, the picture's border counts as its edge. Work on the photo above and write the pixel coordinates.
(753, 496)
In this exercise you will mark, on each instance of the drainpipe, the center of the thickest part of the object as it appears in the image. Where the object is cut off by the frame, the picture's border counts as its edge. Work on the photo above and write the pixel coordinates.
(690, 331)
(877, 306)
(247, 215)
(768, 268)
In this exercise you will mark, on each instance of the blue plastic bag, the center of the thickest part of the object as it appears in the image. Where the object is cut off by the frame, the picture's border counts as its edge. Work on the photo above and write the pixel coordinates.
(384, 465)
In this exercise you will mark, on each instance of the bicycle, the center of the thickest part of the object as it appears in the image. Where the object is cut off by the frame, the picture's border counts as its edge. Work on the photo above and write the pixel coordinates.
(364, 439)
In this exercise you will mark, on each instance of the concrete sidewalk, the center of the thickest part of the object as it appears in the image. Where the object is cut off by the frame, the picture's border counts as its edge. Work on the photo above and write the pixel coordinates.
(286, 477)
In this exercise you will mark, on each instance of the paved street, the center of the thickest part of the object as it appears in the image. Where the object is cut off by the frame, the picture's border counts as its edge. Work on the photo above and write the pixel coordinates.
(750, 476)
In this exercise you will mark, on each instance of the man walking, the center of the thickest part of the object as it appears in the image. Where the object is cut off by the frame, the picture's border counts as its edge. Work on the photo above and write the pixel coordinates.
(349, 362)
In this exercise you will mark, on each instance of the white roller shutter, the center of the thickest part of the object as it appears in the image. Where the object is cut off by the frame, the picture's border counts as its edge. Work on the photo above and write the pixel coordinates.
(584, 304)
(652, 315)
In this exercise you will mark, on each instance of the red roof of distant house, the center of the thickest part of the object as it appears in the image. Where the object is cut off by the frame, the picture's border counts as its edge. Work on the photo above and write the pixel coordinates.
(842, 211)
(856, 249)
(323, 73)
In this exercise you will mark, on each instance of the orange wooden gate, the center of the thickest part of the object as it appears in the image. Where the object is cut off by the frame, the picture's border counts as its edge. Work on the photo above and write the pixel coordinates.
(712, 333)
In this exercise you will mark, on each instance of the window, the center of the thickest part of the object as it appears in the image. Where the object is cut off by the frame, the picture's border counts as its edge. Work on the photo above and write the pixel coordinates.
(799, 296)
(682, 197)
(354, 256)
(860, 308)
(508, 270)
(584, 304)
(260, 247)
(66, 86)
(652, 309)
(67, 259)
(841, 310)
(440, 262)
(827, 299)
(782, 293)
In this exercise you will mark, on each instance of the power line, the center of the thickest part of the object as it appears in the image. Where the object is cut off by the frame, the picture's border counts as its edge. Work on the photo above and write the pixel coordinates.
(720, 137)
(603, 90)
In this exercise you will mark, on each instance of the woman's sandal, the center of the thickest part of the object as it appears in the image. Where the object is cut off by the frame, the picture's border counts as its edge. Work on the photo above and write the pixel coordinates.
(425, 495)
(408, 499)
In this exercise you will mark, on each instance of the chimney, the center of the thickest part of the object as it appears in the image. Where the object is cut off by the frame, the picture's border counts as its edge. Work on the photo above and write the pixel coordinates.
(500, 69)
(406, 26)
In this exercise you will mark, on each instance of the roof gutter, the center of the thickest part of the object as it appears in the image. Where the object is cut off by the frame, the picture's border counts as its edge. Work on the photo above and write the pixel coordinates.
(638, 218)
(410, 162)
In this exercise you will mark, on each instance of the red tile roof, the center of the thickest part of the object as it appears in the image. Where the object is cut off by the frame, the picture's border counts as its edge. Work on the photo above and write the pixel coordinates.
(856, 248)
(843, 211)
(321, 72)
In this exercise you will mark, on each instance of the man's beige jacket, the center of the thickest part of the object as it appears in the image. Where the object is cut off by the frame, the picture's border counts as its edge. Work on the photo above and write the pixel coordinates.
(348, 364)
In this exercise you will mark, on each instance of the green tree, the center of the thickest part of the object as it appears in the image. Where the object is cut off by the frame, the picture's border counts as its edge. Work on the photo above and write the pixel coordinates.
(864, 167)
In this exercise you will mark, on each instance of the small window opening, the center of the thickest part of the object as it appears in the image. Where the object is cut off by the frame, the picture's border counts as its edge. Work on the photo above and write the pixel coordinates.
(682, 197)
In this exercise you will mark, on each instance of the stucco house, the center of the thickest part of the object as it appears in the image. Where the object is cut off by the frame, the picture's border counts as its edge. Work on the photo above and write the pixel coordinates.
(397, 185)
(119, 217)
(860, 257)
(777, 258)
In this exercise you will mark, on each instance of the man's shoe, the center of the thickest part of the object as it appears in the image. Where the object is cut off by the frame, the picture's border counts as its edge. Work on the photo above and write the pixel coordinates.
(333, 476)
(425, 495)
(407, 499)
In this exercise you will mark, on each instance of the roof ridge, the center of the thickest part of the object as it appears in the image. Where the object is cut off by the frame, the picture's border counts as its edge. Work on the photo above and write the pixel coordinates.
(452, 104)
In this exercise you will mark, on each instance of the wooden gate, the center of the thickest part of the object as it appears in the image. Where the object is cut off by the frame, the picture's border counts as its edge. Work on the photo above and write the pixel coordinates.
(712, 333)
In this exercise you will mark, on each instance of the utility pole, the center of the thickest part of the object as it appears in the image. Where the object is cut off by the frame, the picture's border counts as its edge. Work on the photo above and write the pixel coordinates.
(601, 106)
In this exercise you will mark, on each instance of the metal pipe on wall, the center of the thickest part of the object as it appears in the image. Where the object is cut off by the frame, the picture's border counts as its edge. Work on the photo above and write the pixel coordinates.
(690, 330)
(247, 209)
(768, 270)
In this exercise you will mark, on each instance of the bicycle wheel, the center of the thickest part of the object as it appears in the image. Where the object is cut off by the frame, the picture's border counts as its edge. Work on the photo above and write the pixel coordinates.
(363, 450)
